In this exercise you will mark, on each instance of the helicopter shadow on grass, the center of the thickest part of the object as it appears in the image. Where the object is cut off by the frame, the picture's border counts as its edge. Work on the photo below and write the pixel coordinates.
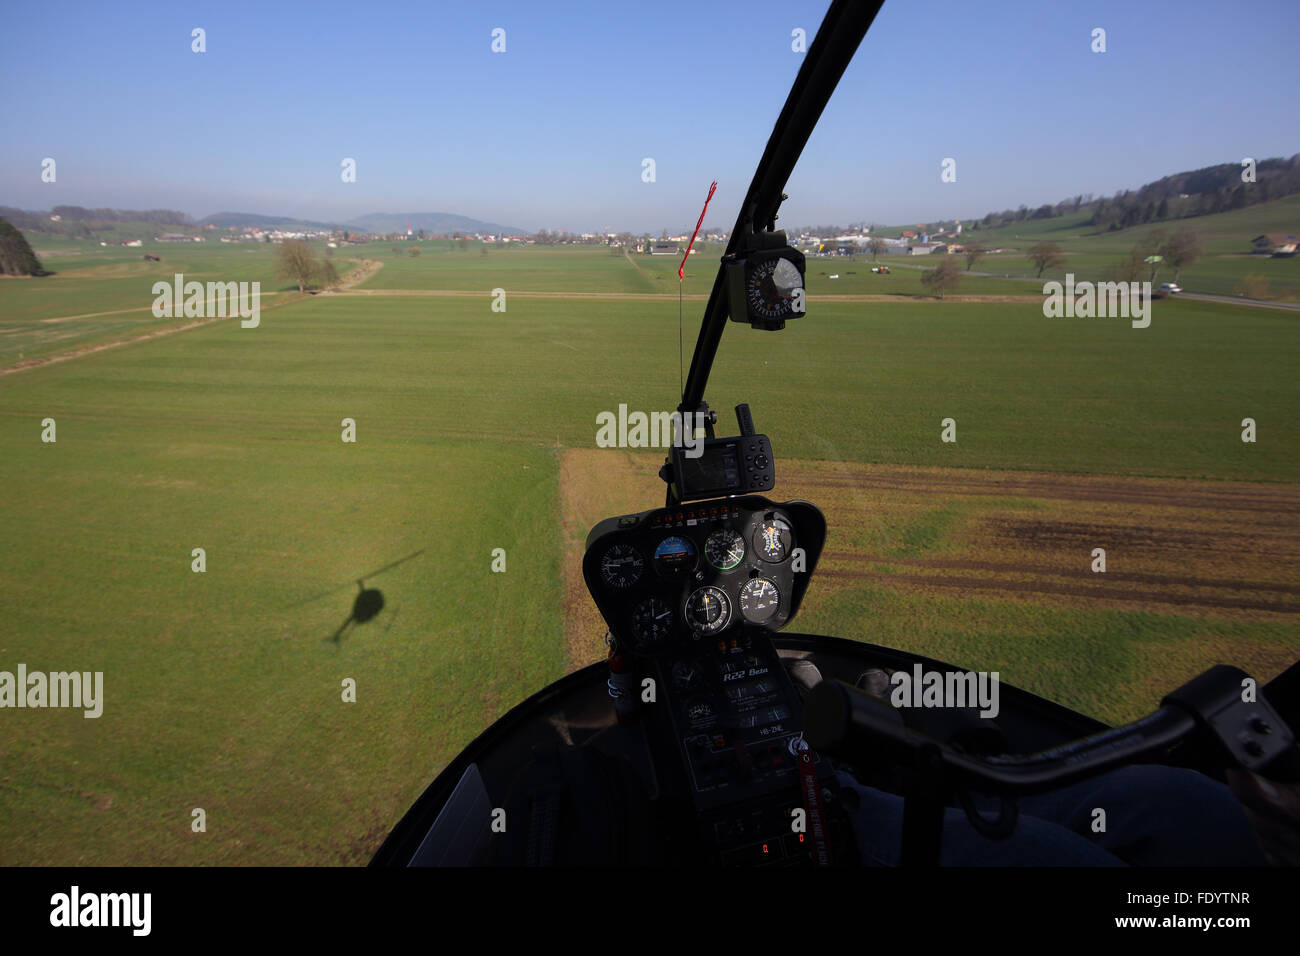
(367, 604)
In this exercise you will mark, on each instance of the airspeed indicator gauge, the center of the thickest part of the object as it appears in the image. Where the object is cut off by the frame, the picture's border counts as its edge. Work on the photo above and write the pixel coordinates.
(708, 611)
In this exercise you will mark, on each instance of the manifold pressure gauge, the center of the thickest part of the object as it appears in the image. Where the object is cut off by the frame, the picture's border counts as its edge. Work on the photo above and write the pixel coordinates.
(765, 282)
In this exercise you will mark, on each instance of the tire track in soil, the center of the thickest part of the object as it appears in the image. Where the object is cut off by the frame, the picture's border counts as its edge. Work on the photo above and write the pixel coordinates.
(1198, 548)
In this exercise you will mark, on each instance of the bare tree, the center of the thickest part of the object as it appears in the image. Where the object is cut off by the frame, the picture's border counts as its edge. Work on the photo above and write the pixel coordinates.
(327, 277)
(876, 245)
(1131, 267)
(974, 253)
(294, 261)
(1181, 249)
(943, 278)
(1153, 244)
(1047, 255)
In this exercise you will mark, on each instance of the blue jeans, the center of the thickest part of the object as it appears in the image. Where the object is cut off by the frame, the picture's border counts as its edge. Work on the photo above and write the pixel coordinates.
(1154, 816)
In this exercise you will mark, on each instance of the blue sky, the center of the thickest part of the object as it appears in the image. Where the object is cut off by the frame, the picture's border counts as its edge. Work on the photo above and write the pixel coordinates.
(551, 133)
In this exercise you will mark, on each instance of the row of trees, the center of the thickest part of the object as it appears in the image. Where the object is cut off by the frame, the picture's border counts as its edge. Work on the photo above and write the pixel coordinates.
(1177, 250)
(1144, 260)
(168, 217)
(1200, 192)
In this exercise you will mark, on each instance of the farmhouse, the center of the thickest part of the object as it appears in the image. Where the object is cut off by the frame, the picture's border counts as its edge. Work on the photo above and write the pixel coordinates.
(1274, 244)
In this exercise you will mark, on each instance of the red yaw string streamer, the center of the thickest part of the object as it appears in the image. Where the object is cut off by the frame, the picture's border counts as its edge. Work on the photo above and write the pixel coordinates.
(681, 270)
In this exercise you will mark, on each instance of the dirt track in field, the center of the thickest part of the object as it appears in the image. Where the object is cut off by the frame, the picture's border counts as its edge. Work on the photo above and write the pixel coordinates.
(1173, 546)
(364, 271)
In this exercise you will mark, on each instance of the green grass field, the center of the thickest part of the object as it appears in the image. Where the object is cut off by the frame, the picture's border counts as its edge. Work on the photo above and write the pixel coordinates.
(97, 294)
(223, 688)
(1225, 238)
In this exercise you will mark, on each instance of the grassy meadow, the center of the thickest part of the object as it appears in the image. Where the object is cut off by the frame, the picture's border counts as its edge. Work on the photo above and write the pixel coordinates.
(223, 689)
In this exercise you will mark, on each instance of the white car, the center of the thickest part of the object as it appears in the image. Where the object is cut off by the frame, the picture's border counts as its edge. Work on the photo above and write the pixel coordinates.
(1170, 287)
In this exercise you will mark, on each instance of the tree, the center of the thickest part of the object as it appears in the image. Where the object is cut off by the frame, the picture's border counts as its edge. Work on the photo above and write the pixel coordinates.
(944, 278)
(1181, 249)
(1153, 244)
(294, 261)
(974, 253)
(877, 246)
(327, 277)
(16, 256)
(1131, 267)
(1047, 255)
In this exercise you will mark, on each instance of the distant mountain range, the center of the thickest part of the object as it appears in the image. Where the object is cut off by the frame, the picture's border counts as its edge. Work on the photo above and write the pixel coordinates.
(434, 222)
(78, 220)
(380, 222)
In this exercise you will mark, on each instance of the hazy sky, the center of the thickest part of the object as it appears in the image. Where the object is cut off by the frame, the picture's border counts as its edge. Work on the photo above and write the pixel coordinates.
(552, 132)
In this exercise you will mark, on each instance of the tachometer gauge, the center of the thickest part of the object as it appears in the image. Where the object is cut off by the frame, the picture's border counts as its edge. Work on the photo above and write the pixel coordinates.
(621, 566)
(708, 611)
(759, 600)
(652, 621)
(675, 555)
(725, 549)
(773, 538)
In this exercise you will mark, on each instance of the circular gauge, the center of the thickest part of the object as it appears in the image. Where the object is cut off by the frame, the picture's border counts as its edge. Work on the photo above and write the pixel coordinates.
(773, 538)
(770, 286)
(674, 556)
(652, 621)
(708, 611)
(621, 566)
(685, 675)
(725, 549)
(759, 600)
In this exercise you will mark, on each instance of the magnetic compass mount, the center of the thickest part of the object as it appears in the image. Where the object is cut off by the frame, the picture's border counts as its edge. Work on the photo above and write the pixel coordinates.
(765, 281)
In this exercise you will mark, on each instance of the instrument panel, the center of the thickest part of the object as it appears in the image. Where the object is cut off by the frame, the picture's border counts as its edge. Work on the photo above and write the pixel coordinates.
(668, 578)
